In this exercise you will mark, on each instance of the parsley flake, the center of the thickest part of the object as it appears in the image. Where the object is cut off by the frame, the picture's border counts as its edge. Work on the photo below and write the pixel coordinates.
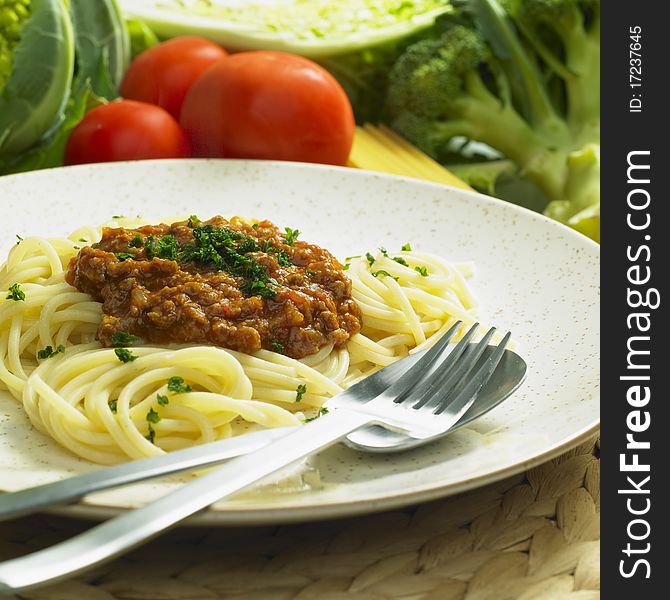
(124, 256)
(124, 355)
(421, 271)
(177, 385)
(162, 400)
(383, 251)
(151, 436)
(400, 260)
(113, 404)
(291, 235)
(122, 338)
(384, 274)
(371, 259)
(193, 220)
(406, 248)
(300, 391)
(153, 416)
(346, 266)
(16, 293)
(136, 242)
(322, 411)
(48, 351)
(83, 239)
(166, 248)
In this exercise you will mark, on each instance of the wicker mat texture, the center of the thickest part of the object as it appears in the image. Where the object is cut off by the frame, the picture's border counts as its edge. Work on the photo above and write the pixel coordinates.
(535, 536)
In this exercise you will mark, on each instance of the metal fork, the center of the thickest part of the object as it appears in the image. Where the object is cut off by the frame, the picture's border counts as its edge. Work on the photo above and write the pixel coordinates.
(425, 402)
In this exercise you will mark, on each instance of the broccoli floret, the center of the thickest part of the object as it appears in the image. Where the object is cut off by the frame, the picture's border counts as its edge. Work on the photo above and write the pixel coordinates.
(523, 77)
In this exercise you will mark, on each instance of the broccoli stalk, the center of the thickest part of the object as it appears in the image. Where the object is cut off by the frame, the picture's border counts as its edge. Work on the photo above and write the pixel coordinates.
(522, 77)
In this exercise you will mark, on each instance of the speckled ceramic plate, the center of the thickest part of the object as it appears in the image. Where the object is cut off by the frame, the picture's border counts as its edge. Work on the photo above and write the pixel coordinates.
(534, 277)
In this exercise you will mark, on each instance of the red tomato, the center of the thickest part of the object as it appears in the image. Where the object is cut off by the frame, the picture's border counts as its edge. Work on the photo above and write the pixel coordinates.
(269, 105)
(125, 130)
(164, 73)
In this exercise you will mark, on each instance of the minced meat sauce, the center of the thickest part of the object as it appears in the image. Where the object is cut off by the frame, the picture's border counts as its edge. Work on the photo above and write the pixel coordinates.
(222, 282)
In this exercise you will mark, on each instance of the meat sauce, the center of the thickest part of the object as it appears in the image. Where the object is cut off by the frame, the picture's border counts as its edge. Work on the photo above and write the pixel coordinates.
(222, 282)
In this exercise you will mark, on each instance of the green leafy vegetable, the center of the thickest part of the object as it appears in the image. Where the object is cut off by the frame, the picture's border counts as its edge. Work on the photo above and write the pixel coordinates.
(423, 271)
(136, 242)
(401, 261)
(16, 293)
(124, 256)
(371, 259)
(36, 65)
(177, 385)
(113, 405)
(141, 37)
(300, 391)
(124, 355)
(162, 400)
(48, 351)
(406, 248)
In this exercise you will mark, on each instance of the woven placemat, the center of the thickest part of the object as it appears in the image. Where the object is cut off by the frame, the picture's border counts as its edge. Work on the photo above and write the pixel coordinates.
(535, 536)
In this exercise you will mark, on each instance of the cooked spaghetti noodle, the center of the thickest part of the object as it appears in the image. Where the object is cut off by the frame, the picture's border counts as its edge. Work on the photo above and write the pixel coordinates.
(107, 411)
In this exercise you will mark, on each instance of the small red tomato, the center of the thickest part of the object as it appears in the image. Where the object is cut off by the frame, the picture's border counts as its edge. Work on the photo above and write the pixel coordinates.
(164, 73)
(125, 130)
(269, 105)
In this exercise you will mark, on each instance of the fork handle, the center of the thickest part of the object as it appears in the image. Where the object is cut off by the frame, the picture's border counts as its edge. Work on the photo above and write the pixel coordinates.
(120, 534)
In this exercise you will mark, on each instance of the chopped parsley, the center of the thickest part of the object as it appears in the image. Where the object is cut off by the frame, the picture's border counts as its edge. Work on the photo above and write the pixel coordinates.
(291, 235)
(136, 242)
(322, 411)
(193, 220)
(153, 416)
(83, 239)
(177, 385)
(227, 250)
(400, 260)
(300, 391)
(406, 248)
(371, 259)
(255, 226)
(124, 256)
(48, 352)
(113, 404)
(122, 338)
(16, 293)
(162, 400)
(167, 248)
(151, 436)
(283, 259)
(124, 355)
(346, 266)
(384, 251)
(19, 238)
(277, 346)
(421, 271)
(383, 273)
(150, 247)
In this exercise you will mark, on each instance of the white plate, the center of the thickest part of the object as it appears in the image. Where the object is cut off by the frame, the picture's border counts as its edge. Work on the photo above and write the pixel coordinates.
(535, 277)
